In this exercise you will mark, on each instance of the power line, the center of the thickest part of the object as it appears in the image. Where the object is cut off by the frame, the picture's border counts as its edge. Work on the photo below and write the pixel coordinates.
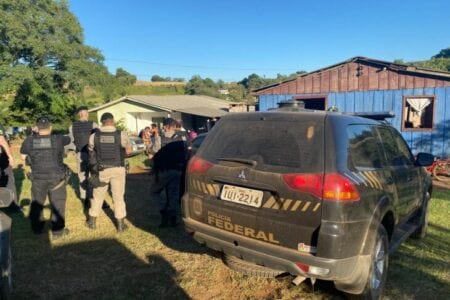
(197, 66)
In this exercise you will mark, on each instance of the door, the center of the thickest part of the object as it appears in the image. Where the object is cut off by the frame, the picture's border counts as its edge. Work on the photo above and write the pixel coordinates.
(405, 175)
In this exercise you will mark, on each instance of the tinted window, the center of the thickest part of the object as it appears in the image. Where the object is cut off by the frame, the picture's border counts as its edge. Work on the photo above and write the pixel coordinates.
(277, 146)
(196, 143)
(363, 148)
(395, 148)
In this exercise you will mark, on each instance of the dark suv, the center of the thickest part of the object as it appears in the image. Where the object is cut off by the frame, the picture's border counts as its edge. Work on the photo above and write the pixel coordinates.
(316, 194)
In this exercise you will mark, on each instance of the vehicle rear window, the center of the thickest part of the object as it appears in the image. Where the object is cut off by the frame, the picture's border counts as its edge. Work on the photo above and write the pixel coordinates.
(276, 146)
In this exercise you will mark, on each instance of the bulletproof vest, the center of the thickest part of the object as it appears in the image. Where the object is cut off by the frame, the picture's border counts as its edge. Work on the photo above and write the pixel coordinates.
(46, 156)
(81, 132)
(108, 147)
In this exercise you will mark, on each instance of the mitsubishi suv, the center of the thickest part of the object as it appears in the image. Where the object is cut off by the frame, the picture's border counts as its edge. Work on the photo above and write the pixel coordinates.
(319, 195)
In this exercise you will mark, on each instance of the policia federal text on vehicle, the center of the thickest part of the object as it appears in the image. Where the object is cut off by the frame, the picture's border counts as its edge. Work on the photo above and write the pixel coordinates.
(315, 194)
(45, 154)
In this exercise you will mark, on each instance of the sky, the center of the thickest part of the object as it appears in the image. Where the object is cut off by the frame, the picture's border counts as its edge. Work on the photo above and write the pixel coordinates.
(231, 39)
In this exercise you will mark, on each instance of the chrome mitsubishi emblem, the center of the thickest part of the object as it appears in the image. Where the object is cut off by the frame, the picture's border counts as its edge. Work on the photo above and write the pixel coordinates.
(242, 175)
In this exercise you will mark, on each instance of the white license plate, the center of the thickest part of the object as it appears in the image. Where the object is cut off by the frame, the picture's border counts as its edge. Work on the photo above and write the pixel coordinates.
(242, 195)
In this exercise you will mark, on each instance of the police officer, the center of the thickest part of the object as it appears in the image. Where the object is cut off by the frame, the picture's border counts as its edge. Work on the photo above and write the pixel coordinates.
(107, 148)
(6, 164)
(79, 132)
(48, 176)
(169, 164)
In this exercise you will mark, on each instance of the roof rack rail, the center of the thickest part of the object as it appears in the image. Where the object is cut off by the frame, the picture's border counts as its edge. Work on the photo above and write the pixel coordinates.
(379, 116)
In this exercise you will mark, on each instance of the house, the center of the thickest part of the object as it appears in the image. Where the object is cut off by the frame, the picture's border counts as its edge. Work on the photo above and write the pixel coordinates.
(419, 97)
(138, 111)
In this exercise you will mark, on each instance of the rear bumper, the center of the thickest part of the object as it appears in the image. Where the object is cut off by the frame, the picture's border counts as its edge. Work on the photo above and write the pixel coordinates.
(276, 257)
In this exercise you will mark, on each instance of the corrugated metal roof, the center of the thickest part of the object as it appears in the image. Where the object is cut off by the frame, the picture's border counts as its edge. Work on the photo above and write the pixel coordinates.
(389, 65)
(192, 104)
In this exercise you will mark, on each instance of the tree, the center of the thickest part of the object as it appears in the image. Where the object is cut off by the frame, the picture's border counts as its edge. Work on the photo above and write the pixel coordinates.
(199, 86)
(156, 78)
(125, 78)
(44, 64)
(444, 53)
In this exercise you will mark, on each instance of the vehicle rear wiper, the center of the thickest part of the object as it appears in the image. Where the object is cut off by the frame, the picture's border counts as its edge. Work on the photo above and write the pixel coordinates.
(250, 162)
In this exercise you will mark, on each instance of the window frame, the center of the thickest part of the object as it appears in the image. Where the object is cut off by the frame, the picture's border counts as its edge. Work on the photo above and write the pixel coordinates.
(433, 99)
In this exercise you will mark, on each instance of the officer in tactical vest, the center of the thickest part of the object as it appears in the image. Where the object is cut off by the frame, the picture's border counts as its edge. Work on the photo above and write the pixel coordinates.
(107, 149)
(169, 165)
(79, 132)
(45, 153)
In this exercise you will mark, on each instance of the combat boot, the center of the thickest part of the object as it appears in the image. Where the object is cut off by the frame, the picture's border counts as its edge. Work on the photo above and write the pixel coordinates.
(91, 223)
(121, 226)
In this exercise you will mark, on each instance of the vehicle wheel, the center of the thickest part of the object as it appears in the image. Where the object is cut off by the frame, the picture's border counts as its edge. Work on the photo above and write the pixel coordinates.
(422, 219)
(378, 268)
(6, 280)
(250, 269)
(441, 171)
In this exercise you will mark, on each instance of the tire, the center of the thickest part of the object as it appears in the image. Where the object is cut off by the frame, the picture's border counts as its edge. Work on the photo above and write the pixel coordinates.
(6, 280)
(378, 268)
(421, 231)
(440, 171)
(249, 269)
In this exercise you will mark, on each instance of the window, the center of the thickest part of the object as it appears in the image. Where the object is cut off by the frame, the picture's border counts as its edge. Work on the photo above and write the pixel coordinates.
(418, 112)
(364, 148)
(397, 152)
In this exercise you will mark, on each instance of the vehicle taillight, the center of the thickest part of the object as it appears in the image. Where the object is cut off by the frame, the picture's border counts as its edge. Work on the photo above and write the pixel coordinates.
(339, 188)
(308, 183)
(331, 186)
(198, 165)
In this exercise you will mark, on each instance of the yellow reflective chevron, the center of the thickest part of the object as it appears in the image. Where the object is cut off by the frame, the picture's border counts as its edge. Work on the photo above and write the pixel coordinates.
(210, 189)
(316, 207)
(375, 176)
(286, 204)
(366, 179)
(269, 202)
(307, 204)
(296, 205)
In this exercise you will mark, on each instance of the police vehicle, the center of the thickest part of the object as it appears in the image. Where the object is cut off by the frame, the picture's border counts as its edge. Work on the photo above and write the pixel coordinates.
(319, 195)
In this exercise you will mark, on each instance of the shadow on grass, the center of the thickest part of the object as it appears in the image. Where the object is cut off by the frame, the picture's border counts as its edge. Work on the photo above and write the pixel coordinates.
(19, 175)
(96, 269)
(100, 269)
(145, 215)
(418, 269)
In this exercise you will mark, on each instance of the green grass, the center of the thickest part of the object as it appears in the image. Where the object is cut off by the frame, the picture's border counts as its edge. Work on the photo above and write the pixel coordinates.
(152, 263)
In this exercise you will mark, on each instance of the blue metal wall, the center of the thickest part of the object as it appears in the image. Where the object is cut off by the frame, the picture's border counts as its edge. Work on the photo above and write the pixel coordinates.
(436, 141)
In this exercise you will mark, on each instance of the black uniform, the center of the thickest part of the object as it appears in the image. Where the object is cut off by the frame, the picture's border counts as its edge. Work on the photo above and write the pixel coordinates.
(46, 154)
(169, 165)
(81, 131)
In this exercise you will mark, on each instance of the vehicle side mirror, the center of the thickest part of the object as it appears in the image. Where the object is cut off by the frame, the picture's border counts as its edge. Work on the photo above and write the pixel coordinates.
(424, 159)
(6, 197)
